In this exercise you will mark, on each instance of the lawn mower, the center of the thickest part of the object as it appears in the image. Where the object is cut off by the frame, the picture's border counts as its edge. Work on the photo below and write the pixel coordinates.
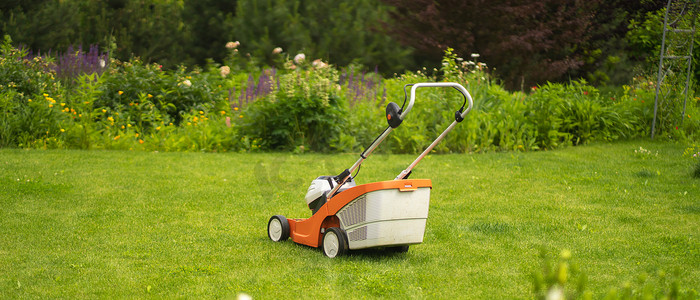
(387, 214)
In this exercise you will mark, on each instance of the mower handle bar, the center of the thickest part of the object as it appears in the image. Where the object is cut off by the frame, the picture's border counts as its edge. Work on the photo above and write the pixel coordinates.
(459, 116)
(380, 139)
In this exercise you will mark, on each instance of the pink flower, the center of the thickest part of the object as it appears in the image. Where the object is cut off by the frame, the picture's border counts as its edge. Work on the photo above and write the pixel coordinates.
(277, 50)
(299, 58)
(228, 121)
(319, 64)
(232, 45)
(224, 70)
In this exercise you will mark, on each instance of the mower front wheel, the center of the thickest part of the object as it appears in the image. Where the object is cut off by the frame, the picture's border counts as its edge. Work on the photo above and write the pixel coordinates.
(278, 228)
(335, 242)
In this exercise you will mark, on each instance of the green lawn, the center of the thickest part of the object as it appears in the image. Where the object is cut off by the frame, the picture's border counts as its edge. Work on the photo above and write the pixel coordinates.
(77, 224)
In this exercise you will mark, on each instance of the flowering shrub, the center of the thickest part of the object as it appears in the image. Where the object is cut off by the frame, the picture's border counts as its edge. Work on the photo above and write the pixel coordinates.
(29, 98)
(305, 110)
(302, 103)
(133, 86)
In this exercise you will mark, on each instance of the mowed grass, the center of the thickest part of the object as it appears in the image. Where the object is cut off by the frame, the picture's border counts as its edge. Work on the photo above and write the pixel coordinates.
(111, 224)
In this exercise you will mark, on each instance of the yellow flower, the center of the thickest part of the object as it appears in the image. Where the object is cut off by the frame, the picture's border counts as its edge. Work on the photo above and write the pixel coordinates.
(63, 130)
(50, 105)
(150, 96)
(171, 124)
(122, 126)
(241, 116)
(195, 119)
(63, 104)
(235, 108)
(188, 123)
(140, 141)
(104, 111)
(128, 125)
(46, 95)
(201, 112)
(116, 138)
(29, 100)
(223, 112)
(136, 135)
(158, 128)
(120, 93)
(110, 119)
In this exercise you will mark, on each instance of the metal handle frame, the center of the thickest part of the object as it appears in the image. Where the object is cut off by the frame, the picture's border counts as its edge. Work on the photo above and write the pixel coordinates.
(403, 114)
(371, 148)
(470, 102)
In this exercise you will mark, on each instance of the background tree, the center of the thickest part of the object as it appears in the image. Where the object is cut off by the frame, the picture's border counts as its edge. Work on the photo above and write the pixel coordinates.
(208, 26)
(341, 31)
(526, 41)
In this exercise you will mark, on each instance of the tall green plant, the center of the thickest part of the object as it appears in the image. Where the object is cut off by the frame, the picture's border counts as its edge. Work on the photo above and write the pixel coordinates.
(304, 113)
(27, 105)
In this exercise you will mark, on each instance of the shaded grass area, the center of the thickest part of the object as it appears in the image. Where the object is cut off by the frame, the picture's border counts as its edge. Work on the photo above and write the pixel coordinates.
(134, 224)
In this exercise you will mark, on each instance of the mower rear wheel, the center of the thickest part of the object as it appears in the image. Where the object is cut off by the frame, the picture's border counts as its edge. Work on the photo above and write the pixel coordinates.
(278, 228)
(335, 242)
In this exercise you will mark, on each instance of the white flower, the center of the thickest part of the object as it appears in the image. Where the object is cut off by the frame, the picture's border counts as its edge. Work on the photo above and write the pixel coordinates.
(232, 45)
(243, 296)
(475, 55)
(299, 58)
(319, 64)
(277, 50)
(102, 63)
(555, 293)
(187, 82)
(225, 70)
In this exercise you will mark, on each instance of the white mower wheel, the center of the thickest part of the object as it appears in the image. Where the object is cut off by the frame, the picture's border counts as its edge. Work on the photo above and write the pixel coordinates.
(278, 228)
(335, 242)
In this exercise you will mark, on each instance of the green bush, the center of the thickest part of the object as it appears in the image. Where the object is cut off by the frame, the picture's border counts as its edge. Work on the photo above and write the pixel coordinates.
(305, 112)
(307, 106)
(28, 110)
(133, 86)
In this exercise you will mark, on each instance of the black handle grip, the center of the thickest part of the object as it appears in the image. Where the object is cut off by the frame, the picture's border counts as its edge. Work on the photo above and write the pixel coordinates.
(393, 115)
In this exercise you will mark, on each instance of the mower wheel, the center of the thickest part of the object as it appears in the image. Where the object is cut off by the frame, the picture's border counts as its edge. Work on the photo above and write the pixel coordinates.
(335, 242)
(278, 228)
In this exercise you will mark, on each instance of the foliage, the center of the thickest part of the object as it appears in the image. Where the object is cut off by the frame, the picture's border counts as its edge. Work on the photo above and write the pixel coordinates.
(693, 152)
(306, 105)
(564, 279)
(174, 32)
(341, 32)
(530, 42)
(27, 91)
(133, 86)
(559, 280)
(148, 29)
(304, 112)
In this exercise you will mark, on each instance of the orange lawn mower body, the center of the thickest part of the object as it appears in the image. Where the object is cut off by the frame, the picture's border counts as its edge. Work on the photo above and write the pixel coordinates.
(387, 214)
